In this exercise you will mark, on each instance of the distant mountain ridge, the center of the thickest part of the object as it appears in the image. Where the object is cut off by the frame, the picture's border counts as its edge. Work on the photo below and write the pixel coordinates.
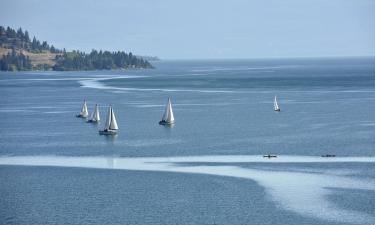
(19, 52)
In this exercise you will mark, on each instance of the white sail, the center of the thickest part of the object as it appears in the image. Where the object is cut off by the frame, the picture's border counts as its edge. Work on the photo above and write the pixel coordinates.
(92, 115)
(113, 124)
(276, 106)
(84, 111)
(170, 117)
(166, 112)
(108, 121)
(110, 127)
(96, 115)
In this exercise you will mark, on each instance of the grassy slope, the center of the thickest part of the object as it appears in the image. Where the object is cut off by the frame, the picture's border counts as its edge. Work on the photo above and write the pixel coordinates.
(39, 58)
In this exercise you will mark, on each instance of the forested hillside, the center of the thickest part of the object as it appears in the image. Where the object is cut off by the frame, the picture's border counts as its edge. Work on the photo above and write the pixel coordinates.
(19, 52)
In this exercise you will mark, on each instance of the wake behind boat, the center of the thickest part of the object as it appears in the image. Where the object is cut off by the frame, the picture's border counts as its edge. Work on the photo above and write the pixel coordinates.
(111, 127)
(84, 112)
(168, 117)
(95, 116)
(275, 105)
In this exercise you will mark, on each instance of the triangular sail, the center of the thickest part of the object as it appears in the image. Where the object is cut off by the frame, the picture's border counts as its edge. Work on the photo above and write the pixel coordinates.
(170, 117)
(166, 112)
(276, 106)
(96, 115)
(108, 121)
(84, 111)
(92, 116)
(113, 124)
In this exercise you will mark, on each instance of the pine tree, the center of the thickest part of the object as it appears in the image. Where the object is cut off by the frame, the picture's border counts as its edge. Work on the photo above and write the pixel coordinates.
(27, 38)
(34, 45)
(20, 33)
(2, 31)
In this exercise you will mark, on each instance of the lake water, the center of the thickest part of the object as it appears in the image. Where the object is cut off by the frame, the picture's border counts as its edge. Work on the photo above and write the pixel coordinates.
(206, 169)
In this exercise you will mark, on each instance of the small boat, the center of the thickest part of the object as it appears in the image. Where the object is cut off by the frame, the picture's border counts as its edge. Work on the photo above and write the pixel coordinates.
(110, 125)
(168, 117)
(84, 112)
(269, 156)
(275, 105)
(95, 116)
(328, 155)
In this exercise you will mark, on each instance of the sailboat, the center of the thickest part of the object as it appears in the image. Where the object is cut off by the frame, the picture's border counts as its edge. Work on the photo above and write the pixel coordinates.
(84, 112)
(275, 105)
(168, 117)
(110, 125)
(95, 116)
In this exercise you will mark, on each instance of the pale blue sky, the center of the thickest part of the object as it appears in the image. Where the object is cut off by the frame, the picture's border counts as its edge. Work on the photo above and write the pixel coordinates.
(187, 29)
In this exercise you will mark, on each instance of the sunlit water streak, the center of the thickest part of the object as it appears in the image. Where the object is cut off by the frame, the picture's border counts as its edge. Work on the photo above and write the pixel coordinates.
(97, 84)
(301, 192)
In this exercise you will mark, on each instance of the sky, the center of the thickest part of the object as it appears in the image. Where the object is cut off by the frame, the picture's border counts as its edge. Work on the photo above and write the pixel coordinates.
(201, 29)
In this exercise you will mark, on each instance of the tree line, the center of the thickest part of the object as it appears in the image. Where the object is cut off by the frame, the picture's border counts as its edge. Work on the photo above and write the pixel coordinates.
(18, 39)
(14, 61)
(99, 60)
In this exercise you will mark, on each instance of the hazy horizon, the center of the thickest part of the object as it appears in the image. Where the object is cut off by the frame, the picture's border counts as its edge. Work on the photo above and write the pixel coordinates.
(202, 30)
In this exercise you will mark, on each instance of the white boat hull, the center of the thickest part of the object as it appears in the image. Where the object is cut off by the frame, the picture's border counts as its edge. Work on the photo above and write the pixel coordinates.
(81, 116)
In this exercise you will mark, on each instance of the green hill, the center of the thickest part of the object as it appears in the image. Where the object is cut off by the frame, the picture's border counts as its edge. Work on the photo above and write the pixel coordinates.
(19, 52)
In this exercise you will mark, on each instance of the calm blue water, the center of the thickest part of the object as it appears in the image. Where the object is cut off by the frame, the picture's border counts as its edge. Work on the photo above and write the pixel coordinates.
(222, 107)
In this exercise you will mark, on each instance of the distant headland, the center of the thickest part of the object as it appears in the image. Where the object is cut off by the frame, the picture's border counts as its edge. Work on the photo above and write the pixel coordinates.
(18, 53)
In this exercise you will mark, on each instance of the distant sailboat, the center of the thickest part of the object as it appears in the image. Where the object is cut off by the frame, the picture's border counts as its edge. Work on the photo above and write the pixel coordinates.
(95, 116)
(168, 117)
(110, 125)
(84, 112)
(275, 105)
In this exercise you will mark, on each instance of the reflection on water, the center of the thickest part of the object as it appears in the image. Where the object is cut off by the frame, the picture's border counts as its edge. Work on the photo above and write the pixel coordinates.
(167, 126)
(110, 138)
